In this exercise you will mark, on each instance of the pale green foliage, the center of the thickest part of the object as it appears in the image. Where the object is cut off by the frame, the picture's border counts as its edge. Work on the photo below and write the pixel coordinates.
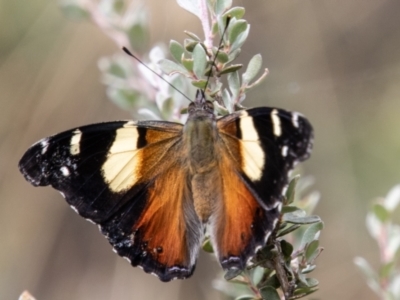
(386, 281)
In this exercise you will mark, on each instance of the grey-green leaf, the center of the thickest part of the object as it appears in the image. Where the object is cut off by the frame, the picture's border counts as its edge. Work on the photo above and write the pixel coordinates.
(201, 84)
(234, 84)
(191, 6)
(238, 42)
(369, 273)
(192, 35)
(237, 12)
(138, 37)
(253, 68)
(308, 269)
(170, 67)
(288, 230)
(190, 44)
(236, 29)
(312, 282)
(222, 57)
(312, 250)
(295, 219)
(269, 293)
(222, 5)
(311, 233)
(233, 55)
(273, 281)
(290, 193)
(187, 63)
(176, 50)
(257, 275)
(199, 61)
(287, 249)
(226, 97)
(231, 69)
(288, 209)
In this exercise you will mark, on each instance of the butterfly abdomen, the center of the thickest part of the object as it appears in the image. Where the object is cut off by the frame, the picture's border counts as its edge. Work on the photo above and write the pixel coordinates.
(199, 135)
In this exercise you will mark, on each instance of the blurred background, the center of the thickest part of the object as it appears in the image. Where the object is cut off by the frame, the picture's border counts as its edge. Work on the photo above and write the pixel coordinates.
(337, 62)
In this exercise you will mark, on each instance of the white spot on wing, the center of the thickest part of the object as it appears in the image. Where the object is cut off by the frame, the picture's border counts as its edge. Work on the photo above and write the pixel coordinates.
(295, 119)
(284, 151)
(45, 144)
(75, 209)
(91, 221)
(276, 123)
(120, 168)
(267, 237)
(278, 205)
(65, 171)
(252, 154)
(75, 148)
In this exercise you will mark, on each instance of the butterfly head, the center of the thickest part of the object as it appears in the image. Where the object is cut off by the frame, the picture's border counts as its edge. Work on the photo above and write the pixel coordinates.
(201, 108)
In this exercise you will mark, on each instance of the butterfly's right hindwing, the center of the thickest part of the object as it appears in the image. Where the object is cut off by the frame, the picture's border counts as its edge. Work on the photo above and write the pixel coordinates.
(258, 147)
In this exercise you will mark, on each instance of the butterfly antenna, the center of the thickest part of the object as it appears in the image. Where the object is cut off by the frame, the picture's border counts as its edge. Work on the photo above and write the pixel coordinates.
(228, 19)
(170, 84)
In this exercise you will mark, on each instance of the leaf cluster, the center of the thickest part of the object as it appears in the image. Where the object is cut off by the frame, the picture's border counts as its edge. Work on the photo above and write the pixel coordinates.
(381, 225)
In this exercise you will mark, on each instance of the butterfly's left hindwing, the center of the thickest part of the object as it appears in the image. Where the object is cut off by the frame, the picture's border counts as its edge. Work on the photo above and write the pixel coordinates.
(128, 178)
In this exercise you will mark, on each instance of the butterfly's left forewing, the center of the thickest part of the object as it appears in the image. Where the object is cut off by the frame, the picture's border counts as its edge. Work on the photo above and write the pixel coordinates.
(258, 147)
(128, 178)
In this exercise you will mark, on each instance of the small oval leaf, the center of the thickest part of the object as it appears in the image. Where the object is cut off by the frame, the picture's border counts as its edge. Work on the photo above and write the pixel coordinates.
(222, 5)
(170, 67)
(234, 84)
(199, 61)
(237, 12)
(187, 63)
(191, 6)
(239, 41)
(287, 249)
(311, 250)
(201, 84)
(237, 28)
(192, 35)
(294, 219)
(269, 293)
(176, 50)
(311, 233)
(190, 44)
(252, 69)
(231, 69)
(288, 230)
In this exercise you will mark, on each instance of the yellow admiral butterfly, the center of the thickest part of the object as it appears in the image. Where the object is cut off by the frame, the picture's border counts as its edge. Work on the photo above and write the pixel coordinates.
(153, 186)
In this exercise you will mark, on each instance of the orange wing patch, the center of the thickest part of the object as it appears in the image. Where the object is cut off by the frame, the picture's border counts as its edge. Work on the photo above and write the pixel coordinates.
(162, 225)
(233, 227)
(241, 223)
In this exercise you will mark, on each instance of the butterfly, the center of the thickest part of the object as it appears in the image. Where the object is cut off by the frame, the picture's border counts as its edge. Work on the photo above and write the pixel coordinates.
(153, 187)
